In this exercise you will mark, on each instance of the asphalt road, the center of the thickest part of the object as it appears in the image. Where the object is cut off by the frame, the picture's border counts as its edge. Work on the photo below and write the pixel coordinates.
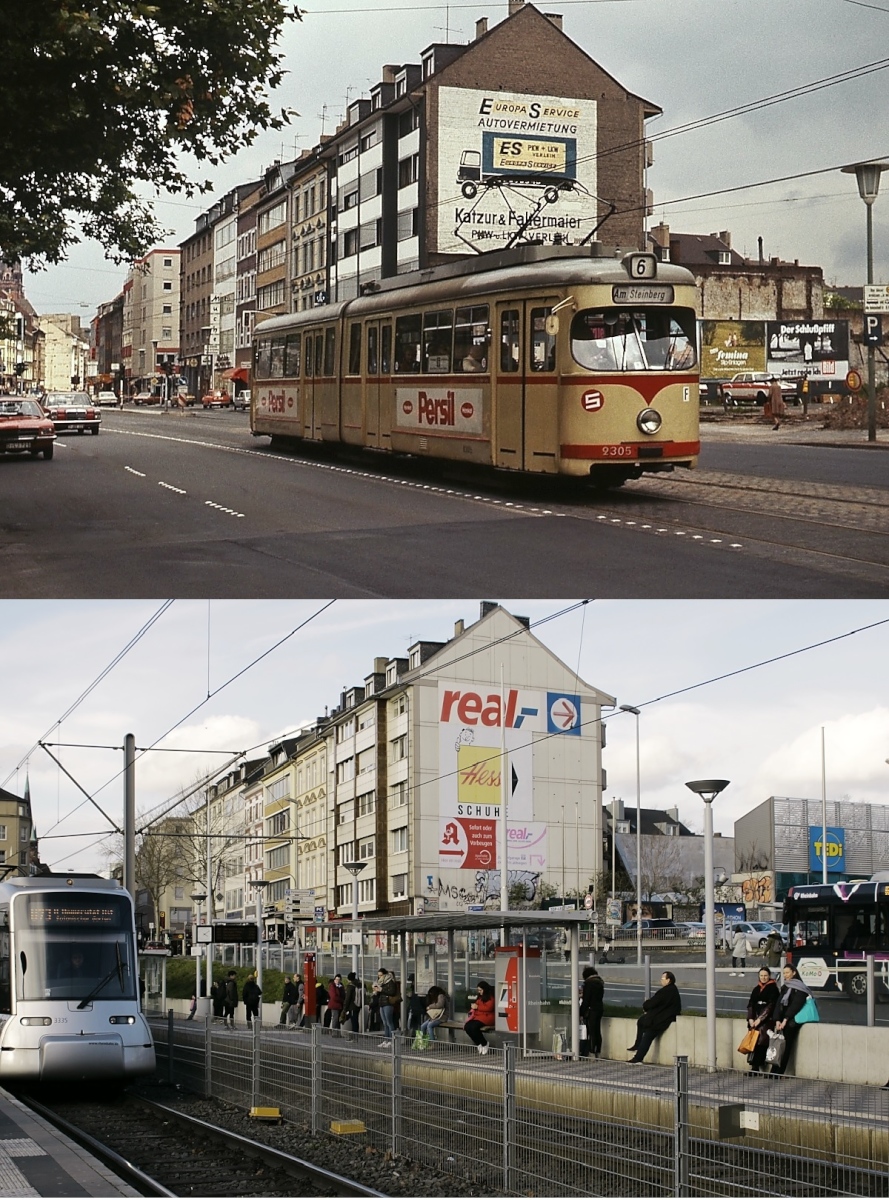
(190, 505)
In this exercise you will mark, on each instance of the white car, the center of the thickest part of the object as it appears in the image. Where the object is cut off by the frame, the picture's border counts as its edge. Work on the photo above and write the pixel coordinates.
(104, 398)
(757, 932)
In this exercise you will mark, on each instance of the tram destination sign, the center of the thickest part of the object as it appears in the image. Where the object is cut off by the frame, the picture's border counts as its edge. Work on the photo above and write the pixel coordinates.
(642, 293)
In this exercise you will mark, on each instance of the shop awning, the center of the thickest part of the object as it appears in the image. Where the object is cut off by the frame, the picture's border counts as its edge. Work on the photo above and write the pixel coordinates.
(241, 374)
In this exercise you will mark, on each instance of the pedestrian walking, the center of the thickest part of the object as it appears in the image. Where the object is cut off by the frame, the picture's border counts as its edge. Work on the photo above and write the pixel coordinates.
(336, 998)
(773, 949)
(388, 994)
(251, 996)
(592, 1006)
(739, 952)
(296, 1014)
(658, 1014)
(321, 998)
(193, 1008)
(761, 1016)
(776, 402)
(481, 1015)
(289, 997)
(794, 995)
(231, 999)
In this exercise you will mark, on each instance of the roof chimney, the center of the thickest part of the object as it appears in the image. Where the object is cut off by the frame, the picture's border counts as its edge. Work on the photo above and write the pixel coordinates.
(515, 5)
(556, 19)
(458, 628)
(660, 234)
(759, 243)
(481, 27)
(726, 236)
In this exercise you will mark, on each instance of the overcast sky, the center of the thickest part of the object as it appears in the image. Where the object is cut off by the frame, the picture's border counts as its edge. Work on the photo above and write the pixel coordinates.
(695, 59)
(760, 729)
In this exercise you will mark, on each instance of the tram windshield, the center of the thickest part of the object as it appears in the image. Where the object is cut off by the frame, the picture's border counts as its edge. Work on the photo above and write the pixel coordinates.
(646, 339)
(74, 947)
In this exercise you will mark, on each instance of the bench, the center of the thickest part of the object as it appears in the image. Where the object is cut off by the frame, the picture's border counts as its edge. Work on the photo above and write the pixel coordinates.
(492, 1036)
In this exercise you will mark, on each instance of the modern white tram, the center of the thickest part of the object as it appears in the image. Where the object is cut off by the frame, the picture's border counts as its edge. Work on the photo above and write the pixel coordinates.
(69, 981)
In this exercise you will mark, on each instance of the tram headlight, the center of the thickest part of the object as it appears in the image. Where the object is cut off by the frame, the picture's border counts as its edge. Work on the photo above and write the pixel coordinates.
(128, 1020)
(649, 420)
(36, 1020)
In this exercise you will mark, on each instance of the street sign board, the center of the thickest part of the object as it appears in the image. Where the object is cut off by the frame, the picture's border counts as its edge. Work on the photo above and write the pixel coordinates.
(350, 938)
(319, 912)
(873, 329)
(876, 297)
(475, 908)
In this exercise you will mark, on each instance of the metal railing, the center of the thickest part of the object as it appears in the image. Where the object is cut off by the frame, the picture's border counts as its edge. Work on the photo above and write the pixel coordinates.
(502, 1125)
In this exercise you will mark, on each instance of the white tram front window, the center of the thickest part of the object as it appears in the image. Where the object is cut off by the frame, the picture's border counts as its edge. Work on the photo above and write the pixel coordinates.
(648, 339)
(73, 947)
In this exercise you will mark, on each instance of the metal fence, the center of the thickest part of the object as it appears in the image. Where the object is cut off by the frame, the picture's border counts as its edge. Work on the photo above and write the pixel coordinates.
(547, 1127)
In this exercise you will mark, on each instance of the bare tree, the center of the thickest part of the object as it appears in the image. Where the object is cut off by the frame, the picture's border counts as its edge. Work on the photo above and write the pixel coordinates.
(660, 865)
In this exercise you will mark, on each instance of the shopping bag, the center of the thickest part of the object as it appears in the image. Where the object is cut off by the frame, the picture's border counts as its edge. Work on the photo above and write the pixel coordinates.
(808, 1013)
(581, 1032)
(777, 1043)
(748, 1042)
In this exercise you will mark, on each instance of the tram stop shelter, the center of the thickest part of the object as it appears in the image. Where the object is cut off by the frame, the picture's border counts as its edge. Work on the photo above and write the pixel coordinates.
(516, 928)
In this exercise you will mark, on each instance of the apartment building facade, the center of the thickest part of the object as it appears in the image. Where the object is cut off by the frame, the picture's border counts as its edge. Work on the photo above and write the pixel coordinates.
(150, 326)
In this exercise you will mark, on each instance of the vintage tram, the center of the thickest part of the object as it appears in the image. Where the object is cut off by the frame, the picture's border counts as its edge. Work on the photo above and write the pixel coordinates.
(69, 982)
(547, 360)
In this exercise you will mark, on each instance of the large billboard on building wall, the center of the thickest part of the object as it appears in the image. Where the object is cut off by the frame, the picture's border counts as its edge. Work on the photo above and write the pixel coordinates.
(507, 158)
(816, 349)
(470, 771)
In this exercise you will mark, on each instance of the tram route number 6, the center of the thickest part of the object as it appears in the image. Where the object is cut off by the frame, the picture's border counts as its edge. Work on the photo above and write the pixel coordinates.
(642, 266)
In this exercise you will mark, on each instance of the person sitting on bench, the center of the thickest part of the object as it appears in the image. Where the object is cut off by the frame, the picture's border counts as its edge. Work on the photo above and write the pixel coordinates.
(481, 1015)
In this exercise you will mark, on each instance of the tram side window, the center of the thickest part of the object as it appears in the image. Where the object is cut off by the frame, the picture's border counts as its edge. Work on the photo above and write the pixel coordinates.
(319, 352)
(309, 357)
(386, 350)
(438, 332)
(471, 338)
(408, 331)
(354, 349)
(543, 344)
(276, 363)
(263, 354)
(509, 340)
(329, 351)
(373, 350)
(5, 990)
(292, 355)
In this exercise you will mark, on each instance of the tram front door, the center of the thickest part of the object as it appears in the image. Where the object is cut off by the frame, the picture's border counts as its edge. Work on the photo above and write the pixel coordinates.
(524, 387)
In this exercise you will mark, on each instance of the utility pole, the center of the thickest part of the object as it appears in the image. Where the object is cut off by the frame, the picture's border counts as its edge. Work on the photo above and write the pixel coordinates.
(129, 814)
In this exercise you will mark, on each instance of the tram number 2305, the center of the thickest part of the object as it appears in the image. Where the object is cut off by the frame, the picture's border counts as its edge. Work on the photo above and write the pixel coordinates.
(618, 451)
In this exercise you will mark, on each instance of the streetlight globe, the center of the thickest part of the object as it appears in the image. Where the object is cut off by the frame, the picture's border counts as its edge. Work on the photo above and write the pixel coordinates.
(868, 176)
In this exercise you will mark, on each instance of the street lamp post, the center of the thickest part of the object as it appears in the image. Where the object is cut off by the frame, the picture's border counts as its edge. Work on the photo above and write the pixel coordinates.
(628, 708)
(868, 176)
(259, 886)
(708, 790)
(198, 898)
(354, 869)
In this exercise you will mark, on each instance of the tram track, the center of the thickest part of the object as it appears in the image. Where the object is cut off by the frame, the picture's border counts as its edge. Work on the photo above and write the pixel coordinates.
(162, 1151)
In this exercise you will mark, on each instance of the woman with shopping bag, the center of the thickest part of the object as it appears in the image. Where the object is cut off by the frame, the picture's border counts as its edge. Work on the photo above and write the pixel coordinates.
(760, 1019)
(796, 1007)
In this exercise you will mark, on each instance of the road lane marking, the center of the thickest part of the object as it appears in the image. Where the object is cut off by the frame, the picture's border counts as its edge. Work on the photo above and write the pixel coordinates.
(171, 488)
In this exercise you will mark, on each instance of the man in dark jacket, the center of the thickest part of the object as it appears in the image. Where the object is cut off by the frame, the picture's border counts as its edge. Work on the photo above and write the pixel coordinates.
(290, 995)
(251, 996)
(592, 1005)
(231, 999)
(658, 1014)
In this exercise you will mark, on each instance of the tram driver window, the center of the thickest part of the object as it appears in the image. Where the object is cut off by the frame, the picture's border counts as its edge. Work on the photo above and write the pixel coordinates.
(407, 344)
(543, 344)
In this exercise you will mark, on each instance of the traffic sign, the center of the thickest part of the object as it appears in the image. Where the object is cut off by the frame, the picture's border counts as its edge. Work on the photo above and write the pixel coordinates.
(319, 912)
(873, 329)
(588, 900)
(853, 381)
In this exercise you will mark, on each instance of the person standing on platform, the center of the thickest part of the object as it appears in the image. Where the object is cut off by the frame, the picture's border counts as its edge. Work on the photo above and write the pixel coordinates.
(592, 1006)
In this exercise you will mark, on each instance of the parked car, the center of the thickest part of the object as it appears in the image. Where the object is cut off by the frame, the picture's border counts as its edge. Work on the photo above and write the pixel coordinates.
(710, 391)
(752, 387)
(104, 398)
(695, 931)
(147, 398)
(72, 410)
(25, 427)
(242, 400)
(657, 927)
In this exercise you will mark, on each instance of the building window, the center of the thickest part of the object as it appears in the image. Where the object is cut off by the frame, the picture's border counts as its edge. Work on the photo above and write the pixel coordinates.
(366, 849)
(274, 216)
(398, 792)
(399, 839)
(407, 225)
(366, 803)
(3, 834)
(279, 857)
(346, 730)
(399, 887)
(168, 285)
(409, 170)
(345, 770)
(168, 262)
(345, 852)
(346, 813)
(399, 705)
(279, 823)
(350, 200)
(367, 891)
(399, 748)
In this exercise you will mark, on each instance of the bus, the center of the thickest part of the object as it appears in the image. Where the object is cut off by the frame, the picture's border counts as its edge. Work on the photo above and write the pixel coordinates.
(546, 360)
(834, 928)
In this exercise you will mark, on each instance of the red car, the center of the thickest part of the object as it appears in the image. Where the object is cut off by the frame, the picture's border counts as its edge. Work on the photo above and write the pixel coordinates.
(72, 410)
(216, 400)
(25, 428)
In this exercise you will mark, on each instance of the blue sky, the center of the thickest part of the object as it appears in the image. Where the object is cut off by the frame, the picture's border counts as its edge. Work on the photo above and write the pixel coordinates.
(760, 729)
(695, 59)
